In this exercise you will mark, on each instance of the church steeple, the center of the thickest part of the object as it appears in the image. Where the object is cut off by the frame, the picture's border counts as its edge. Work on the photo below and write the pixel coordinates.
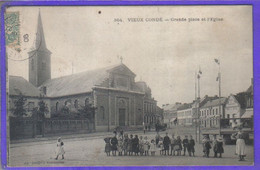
(39, 57)
(39, 43)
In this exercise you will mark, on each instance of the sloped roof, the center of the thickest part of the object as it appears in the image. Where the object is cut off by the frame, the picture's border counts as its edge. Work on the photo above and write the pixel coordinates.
(240, 97)
(18, 85)
(215, 102)
(250, 89)
(81, 82)
(185, 106)
(170, 107)
(206, 99)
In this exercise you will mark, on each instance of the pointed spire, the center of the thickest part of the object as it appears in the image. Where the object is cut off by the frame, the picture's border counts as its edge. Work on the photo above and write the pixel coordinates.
(39, 43)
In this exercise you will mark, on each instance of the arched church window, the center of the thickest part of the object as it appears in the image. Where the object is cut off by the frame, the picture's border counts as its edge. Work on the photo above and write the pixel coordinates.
(43, 66)
(57, 106)
(68, 103)
(86, 101)
(76, 103)
(102, 112)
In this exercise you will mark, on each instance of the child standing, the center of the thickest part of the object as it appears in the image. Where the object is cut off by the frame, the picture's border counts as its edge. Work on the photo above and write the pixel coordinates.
(173, 141)
(161, 147)
(215, 146)
(146, 146)
(206, 145)
(60, 149)
(178, 146)
(153, 147)
(130, 145)
(120, 146)
(114, 143)
(107, 146)
(136, 145)
(191, 145)
(125, 144)
(220, 146)
(141, 146)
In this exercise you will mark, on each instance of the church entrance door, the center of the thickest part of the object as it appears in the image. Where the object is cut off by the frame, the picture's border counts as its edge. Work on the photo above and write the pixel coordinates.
(121, 117)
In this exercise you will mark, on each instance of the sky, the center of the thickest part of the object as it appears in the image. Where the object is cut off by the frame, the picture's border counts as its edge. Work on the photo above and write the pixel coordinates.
(165, 54)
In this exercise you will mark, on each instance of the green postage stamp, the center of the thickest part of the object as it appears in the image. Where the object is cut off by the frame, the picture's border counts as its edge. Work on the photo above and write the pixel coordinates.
(12, 30)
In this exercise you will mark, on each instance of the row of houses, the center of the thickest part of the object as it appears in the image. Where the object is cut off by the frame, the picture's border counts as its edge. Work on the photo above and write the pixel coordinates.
(209, 108)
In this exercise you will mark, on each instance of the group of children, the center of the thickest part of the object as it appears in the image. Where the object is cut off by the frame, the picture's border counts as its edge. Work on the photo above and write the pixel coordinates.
(134, 145)
(216, 144)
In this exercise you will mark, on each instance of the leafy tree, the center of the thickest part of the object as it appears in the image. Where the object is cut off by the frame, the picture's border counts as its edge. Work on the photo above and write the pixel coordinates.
(87, 111)
(19, 109)
(40, 111)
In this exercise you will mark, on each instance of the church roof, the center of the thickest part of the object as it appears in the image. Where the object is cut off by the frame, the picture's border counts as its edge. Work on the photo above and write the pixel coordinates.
(81, 82)
(18, 85)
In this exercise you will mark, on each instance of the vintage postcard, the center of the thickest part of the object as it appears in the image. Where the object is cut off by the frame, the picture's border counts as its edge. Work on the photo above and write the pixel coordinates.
(129, 85)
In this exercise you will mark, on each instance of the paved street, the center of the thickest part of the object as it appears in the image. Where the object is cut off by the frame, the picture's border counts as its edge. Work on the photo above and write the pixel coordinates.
(89, 151)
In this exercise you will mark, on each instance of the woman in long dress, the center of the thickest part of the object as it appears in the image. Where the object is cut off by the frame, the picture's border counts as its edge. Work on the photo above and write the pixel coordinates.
(240, 147)
(60, 149)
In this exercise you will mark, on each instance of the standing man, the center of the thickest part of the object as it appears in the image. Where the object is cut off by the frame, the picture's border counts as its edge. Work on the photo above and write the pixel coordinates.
(185, 143)
(191, 146)
(166, 143)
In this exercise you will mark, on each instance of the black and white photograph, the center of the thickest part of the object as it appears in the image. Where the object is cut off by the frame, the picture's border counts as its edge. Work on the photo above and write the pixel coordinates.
(129, 85)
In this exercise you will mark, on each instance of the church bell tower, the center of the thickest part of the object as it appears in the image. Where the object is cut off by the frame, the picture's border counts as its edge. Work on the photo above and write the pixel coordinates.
(39, 58)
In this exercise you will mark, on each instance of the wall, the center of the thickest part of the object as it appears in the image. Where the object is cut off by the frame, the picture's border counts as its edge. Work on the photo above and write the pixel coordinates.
(31, 102)
(28, 128)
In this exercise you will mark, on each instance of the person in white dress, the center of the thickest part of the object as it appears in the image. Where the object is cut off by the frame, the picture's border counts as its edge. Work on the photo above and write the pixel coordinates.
(153, 147)
(240, 146)
(60, 149)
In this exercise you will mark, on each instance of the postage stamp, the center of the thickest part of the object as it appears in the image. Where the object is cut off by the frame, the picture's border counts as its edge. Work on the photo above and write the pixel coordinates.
(12, 31)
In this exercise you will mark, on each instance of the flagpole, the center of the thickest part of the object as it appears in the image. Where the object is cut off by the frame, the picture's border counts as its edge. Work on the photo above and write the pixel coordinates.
(196, 104)
(219, 75)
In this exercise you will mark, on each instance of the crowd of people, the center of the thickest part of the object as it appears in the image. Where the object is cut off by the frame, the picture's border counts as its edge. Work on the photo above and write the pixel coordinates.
(131, 144)
(136, 145)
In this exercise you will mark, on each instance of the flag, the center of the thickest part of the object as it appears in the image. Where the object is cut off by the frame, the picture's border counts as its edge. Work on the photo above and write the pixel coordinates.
(200, 72)
(217, 78)
(217, 61)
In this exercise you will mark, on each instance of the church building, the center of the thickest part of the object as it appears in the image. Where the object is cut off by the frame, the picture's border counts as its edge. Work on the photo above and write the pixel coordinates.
(119, 100)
